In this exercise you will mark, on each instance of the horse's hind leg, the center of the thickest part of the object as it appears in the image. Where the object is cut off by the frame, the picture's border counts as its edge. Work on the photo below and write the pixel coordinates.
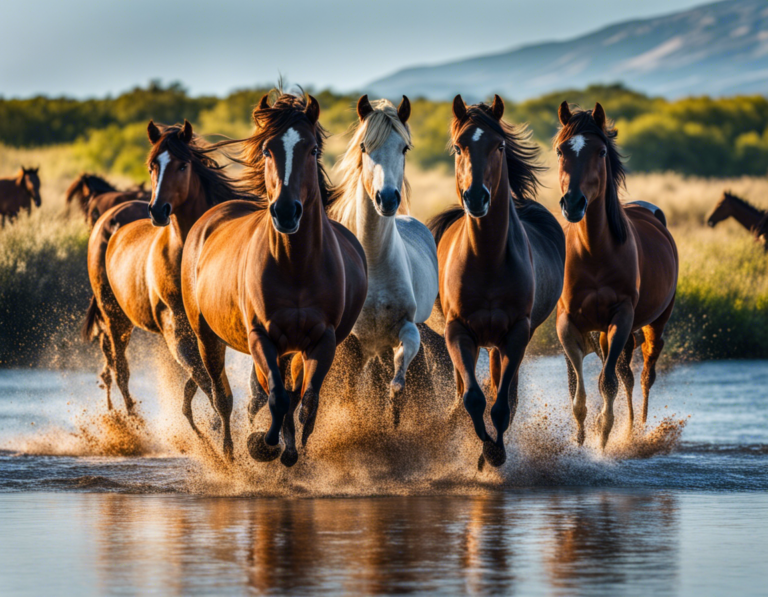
(652, 347)
(410, 342)
(258, 396)
(212, 355)
(624, 371)
(120, 336)
(494, 369)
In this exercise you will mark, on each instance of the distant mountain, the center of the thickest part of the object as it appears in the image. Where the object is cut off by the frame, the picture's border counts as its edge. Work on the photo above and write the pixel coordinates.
(718, 49)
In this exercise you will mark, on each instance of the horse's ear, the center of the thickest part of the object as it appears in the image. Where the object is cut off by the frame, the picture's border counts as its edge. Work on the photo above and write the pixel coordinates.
(153, 132)
(264, 102)
(459, 108)
(185, 134)
(599, 115)
(564, 113)
(497, 108)
(364, 107)
(312, 110)
(404, 110)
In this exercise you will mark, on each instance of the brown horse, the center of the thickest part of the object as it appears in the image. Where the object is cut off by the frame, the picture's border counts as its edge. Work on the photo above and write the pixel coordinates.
(95, 196)
(275, 277)
(620, 270)
(501, 258)
(753, 219)
(19, 193)
(135, 270)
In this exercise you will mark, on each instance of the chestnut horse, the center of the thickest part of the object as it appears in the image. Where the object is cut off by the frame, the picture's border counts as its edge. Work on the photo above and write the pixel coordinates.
(135, 270)
(501, 259)
(95, 196)
(753, 219)
(275, 277)
(620, 270)
(19, 193)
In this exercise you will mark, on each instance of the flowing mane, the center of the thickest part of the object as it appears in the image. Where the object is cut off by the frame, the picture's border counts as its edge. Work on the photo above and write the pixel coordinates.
(217, 185)
(96, 184)
(372, 133)
(270, 121)
(582, 122)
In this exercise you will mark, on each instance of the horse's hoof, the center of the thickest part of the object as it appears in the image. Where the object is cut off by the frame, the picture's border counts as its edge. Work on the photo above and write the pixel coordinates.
(289, 457)
(308, 408)
(481, 463)
(494, 453)
(260, 450)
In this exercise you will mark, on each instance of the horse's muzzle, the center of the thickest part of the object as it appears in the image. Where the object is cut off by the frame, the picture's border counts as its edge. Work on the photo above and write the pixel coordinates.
(387, 202)
(286, 216)
(160, 215)
(573, 206)
(477, 201)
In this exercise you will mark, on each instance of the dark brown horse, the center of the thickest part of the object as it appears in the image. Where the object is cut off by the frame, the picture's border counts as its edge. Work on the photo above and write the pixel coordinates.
(501, 258)
(94, 195)
(753, 219)
(620, 270)
(275, 277)
(135, 264)
(19, 193)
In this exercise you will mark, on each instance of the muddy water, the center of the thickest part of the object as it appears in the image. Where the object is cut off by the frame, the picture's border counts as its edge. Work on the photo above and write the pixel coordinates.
(98, 504)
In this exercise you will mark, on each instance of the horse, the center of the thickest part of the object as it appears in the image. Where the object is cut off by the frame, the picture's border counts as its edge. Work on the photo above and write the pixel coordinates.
(372, 202)
(621, 267)
(19, 192)
(95, 196)
(276, 276)
(501, 257)
(753, 219)
(134, 259)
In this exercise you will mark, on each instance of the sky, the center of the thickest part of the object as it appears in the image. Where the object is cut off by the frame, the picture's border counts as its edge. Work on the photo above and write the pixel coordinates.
(91, 48)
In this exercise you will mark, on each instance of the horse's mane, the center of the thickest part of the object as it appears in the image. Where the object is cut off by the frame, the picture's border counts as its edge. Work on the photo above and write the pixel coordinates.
(582, 122)
(373, 133)
(217, 185)
(97, 185)
(522, 169)
(286, 110)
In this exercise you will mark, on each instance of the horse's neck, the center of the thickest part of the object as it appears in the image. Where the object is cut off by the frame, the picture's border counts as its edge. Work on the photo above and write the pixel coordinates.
(744, 214)
(192, 209)
(593, 230)
(377, 234)
(303, 249)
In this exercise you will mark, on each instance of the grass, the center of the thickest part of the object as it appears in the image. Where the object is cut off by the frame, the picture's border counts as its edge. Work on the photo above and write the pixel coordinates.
(721, 309)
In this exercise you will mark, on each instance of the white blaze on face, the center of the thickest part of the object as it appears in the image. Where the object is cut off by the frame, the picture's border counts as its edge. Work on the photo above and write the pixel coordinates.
(577, 143)
(477, 134)
(290, 139)
(163, 160)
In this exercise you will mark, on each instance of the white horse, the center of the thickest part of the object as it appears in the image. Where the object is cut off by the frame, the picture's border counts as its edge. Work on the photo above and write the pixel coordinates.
(400, 250)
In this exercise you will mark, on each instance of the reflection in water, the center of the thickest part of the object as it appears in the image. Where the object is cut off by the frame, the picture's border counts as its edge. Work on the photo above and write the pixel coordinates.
(559, 542)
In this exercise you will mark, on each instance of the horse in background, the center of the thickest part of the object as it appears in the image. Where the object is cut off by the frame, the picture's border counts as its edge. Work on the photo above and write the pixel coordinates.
(621, 267)
(372, 202)
(94, 196)
(275, 277)
(501, 258)
(19, 192)
(134, 259)
(753, 219)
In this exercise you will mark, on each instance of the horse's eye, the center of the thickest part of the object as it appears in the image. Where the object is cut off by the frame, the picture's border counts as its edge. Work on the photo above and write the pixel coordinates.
(559, 153)
(266, 153)
(362, 147)
(501, 148)
(603, 152)
(182, 167)
(315, 150)
(457, 149)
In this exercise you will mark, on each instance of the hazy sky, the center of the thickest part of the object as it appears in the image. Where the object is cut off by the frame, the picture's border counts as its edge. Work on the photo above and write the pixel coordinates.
(94, 47)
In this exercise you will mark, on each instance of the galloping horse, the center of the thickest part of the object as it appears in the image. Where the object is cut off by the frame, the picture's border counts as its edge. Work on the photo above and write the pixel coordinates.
(753, 219)
(275, 277)
(501, 260)
(135, 271)
(19, 192)
(400, 250)
(95, 196)
(620, 270)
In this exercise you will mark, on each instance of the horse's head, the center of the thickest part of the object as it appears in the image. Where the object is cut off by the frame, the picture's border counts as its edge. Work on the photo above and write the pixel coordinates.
(383, 138)
(169, 162)
(479, 146)
(721, 211)
(283, 156)
(31, 183)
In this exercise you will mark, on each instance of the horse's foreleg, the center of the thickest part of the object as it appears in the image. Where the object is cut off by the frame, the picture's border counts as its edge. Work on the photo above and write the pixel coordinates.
(317, 362)
(120, 335)
(511, 353)
(410, 341)
(464, 351)
(624, 370)
(652, 347)
(619, 333)
(575, 349)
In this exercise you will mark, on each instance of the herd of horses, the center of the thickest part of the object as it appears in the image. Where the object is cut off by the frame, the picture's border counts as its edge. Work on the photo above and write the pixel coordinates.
(282, 265)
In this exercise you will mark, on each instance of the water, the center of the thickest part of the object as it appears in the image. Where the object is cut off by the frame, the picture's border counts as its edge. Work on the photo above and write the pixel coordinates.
(682, 509)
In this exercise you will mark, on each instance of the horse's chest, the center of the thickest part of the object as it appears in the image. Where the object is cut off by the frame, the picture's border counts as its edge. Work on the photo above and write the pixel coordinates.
(387, 305)
(594, 308)
(296, 328)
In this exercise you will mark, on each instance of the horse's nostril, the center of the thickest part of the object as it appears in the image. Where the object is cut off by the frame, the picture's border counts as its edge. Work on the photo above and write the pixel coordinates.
(298, 210)
(167, 210)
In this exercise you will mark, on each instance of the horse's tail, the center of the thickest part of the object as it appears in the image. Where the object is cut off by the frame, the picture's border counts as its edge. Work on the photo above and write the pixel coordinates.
(442, 221)
(91, 322)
